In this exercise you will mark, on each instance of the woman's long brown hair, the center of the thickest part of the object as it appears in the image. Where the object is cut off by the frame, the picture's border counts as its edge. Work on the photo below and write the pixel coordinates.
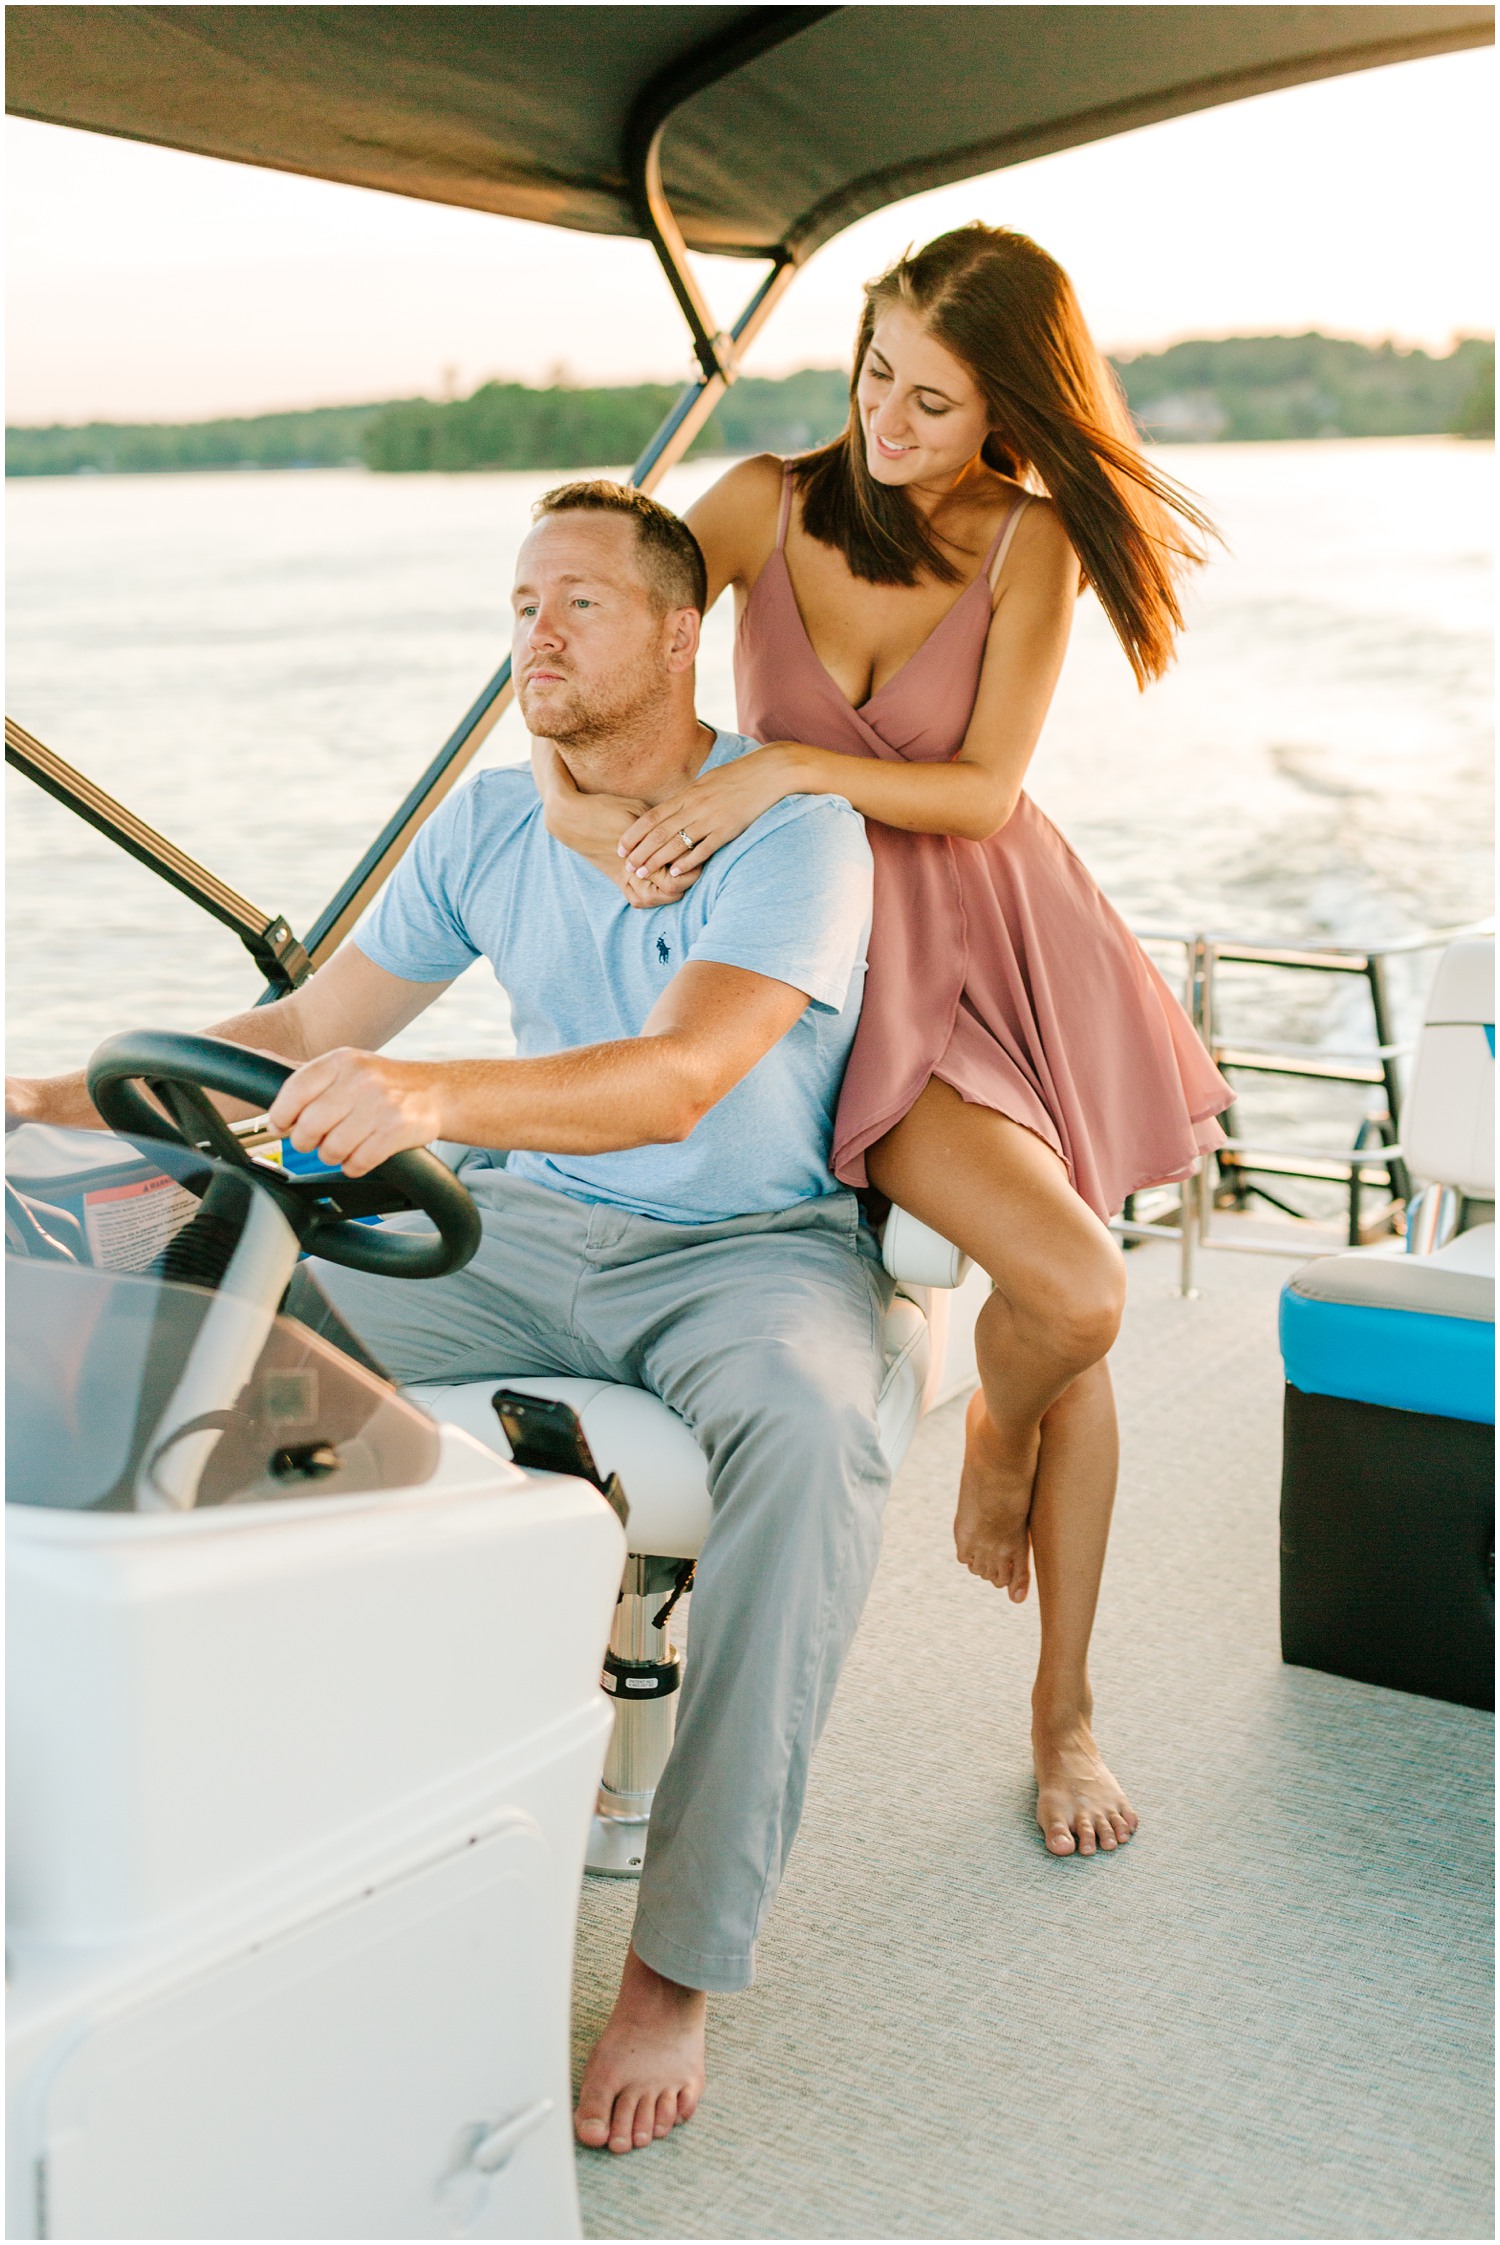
(1059, 423)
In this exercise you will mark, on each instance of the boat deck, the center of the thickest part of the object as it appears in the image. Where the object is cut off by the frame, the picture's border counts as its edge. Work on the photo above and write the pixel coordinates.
(1268, 2017)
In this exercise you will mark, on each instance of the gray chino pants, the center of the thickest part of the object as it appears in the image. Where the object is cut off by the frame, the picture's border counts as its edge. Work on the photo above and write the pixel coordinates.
(764, 1333)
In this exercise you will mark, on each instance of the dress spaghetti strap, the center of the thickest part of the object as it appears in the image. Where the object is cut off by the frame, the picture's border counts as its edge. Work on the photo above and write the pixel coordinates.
(1001, 547)
(786, 509)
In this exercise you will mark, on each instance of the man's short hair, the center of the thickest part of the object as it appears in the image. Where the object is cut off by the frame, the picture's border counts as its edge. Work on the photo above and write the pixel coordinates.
(670, 556)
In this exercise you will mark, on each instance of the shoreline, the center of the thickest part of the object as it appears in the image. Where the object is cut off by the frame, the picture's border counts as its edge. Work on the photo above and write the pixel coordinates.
(1216, 445)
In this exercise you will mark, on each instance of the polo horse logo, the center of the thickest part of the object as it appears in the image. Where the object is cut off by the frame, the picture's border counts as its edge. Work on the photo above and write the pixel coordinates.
(661, 949)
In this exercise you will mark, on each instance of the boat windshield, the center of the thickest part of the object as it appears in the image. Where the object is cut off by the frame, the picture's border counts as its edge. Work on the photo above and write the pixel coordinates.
(140, 1376)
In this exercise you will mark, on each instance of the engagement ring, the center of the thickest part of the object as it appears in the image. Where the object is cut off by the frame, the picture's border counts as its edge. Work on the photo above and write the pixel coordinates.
(682, 830)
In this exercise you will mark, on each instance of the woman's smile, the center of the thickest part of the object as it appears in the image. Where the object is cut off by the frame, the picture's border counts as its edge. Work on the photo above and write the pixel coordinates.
(887, 450)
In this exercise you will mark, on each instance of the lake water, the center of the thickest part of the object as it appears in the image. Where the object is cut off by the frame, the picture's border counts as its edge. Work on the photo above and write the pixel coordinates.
(260, 664)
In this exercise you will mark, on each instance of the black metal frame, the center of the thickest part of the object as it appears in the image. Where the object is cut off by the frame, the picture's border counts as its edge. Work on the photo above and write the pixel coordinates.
(267, 936)
(671, 440)
(1241, 1170)
(717, 354)
(653, 111)
(280, 957)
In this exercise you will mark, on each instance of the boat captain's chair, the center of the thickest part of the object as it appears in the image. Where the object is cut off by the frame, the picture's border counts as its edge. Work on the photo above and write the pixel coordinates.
(664, 1476)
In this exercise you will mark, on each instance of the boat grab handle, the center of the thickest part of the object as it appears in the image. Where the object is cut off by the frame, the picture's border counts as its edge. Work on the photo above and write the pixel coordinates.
(487, 2148)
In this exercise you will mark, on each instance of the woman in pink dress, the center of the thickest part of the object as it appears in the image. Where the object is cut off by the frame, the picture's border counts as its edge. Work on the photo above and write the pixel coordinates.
(904, 598)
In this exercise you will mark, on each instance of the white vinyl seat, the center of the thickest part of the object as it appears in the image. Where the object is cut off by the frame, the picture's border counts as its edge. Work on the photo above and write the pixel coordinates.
(1448, 1120)
(1387, 1490)
(1347, 1320)
(664, 1475)
(662, 1470)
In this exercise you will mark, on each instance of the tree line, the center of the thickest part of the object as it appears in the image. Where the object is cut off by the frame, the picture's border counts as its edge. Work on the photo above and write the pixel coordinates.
(1258, 387)
(328, 437)
(1235, 389)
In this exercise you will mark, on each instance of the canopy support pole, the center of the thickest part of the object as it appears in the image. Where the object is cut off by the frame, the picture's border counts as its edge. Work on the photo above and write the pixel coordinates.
(703, 393)
(718, 358)
(717, 362)
(267, 936)
(282, 960)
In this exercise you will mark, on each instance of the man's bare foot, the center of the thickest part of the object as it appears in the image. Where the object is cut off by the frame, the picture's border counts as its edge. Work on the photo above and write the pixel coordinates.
(645, 2073)
(1080, 1806)
(994, 1504)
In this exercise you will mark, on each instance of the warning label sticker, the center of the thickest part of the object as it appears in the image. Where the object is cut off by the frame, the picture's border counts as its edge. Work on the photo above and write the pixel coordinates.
(129, 1225)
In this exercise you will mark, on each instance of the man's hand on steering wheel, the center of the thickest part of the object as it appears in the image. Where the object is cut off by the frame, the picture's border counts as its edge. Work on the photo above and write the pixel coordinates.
(160, 1084)
(355, 1109)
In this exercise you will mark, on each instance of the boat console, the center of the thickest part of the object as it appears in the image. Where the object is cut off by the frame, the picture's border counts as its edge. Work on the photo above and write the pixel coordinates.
(300, 1766)
(302, 1770)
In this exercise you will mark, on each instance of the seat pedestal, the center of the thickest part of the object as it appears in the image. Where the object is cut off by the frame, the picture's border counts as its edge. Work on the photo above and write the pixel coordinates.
(665, 1476)
(617, 1845)
(642, 1673)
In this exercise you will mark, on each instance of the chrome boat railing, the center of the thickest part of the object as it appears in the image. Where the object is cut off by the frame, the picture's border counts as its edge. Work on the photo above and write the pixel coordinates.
(1238, 1168)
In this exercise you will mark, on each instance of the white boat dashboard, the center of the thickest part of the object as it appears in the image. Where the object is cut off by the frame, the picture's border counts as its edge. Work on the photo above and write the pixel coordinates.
(304, 1732)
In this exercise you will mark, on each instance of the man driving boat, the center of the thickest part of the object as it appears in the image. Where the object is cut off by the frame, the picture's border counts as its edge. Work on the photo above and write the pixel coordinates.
(665, 1215)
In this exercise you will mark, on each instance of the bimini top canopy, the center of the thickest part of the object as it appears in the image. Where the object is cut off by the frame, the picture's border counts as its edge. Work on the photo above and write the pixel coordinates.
(778, 126)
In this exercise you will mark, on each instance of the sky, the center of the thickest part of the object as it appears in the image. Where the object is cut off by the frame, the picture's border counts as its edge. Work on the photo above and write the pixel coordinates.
(148, 285)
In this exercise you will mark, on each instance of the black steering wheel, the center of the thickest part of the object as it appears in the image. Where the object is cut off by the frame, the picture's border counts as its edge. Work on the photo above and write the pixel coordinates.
(322, 1211)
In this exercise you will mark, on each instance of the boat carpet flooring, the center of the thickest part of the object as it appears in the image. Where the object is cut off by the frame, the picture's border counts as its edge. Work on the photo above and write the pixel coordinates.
(1270, 2016)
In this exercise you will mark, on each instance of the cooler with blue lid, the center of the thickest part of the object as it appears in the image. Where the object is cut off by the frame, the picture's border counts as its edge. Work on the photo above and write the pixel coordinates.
(1387, 1499)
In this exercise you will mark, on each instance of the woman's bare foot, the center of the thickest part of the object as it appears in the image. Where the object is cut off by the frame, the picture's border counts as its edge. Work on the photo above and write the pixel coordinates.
(1080, 1806)
(994, 1504)
(646, 2071)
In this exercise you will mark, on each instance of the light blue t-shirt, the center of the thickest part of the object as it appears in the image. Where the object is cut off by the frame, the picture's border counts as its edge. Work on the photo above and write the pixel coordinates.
(790, 899)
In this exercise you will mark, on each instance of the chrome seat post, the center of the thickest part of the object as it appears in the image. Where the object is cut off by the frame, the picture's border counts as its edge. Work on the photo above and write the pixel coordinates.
(642, 1674)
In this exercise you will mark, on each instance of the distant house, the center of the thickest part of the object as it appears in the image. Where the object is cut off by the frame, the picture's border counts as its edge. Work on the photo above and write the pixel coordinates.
(1184, 417)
